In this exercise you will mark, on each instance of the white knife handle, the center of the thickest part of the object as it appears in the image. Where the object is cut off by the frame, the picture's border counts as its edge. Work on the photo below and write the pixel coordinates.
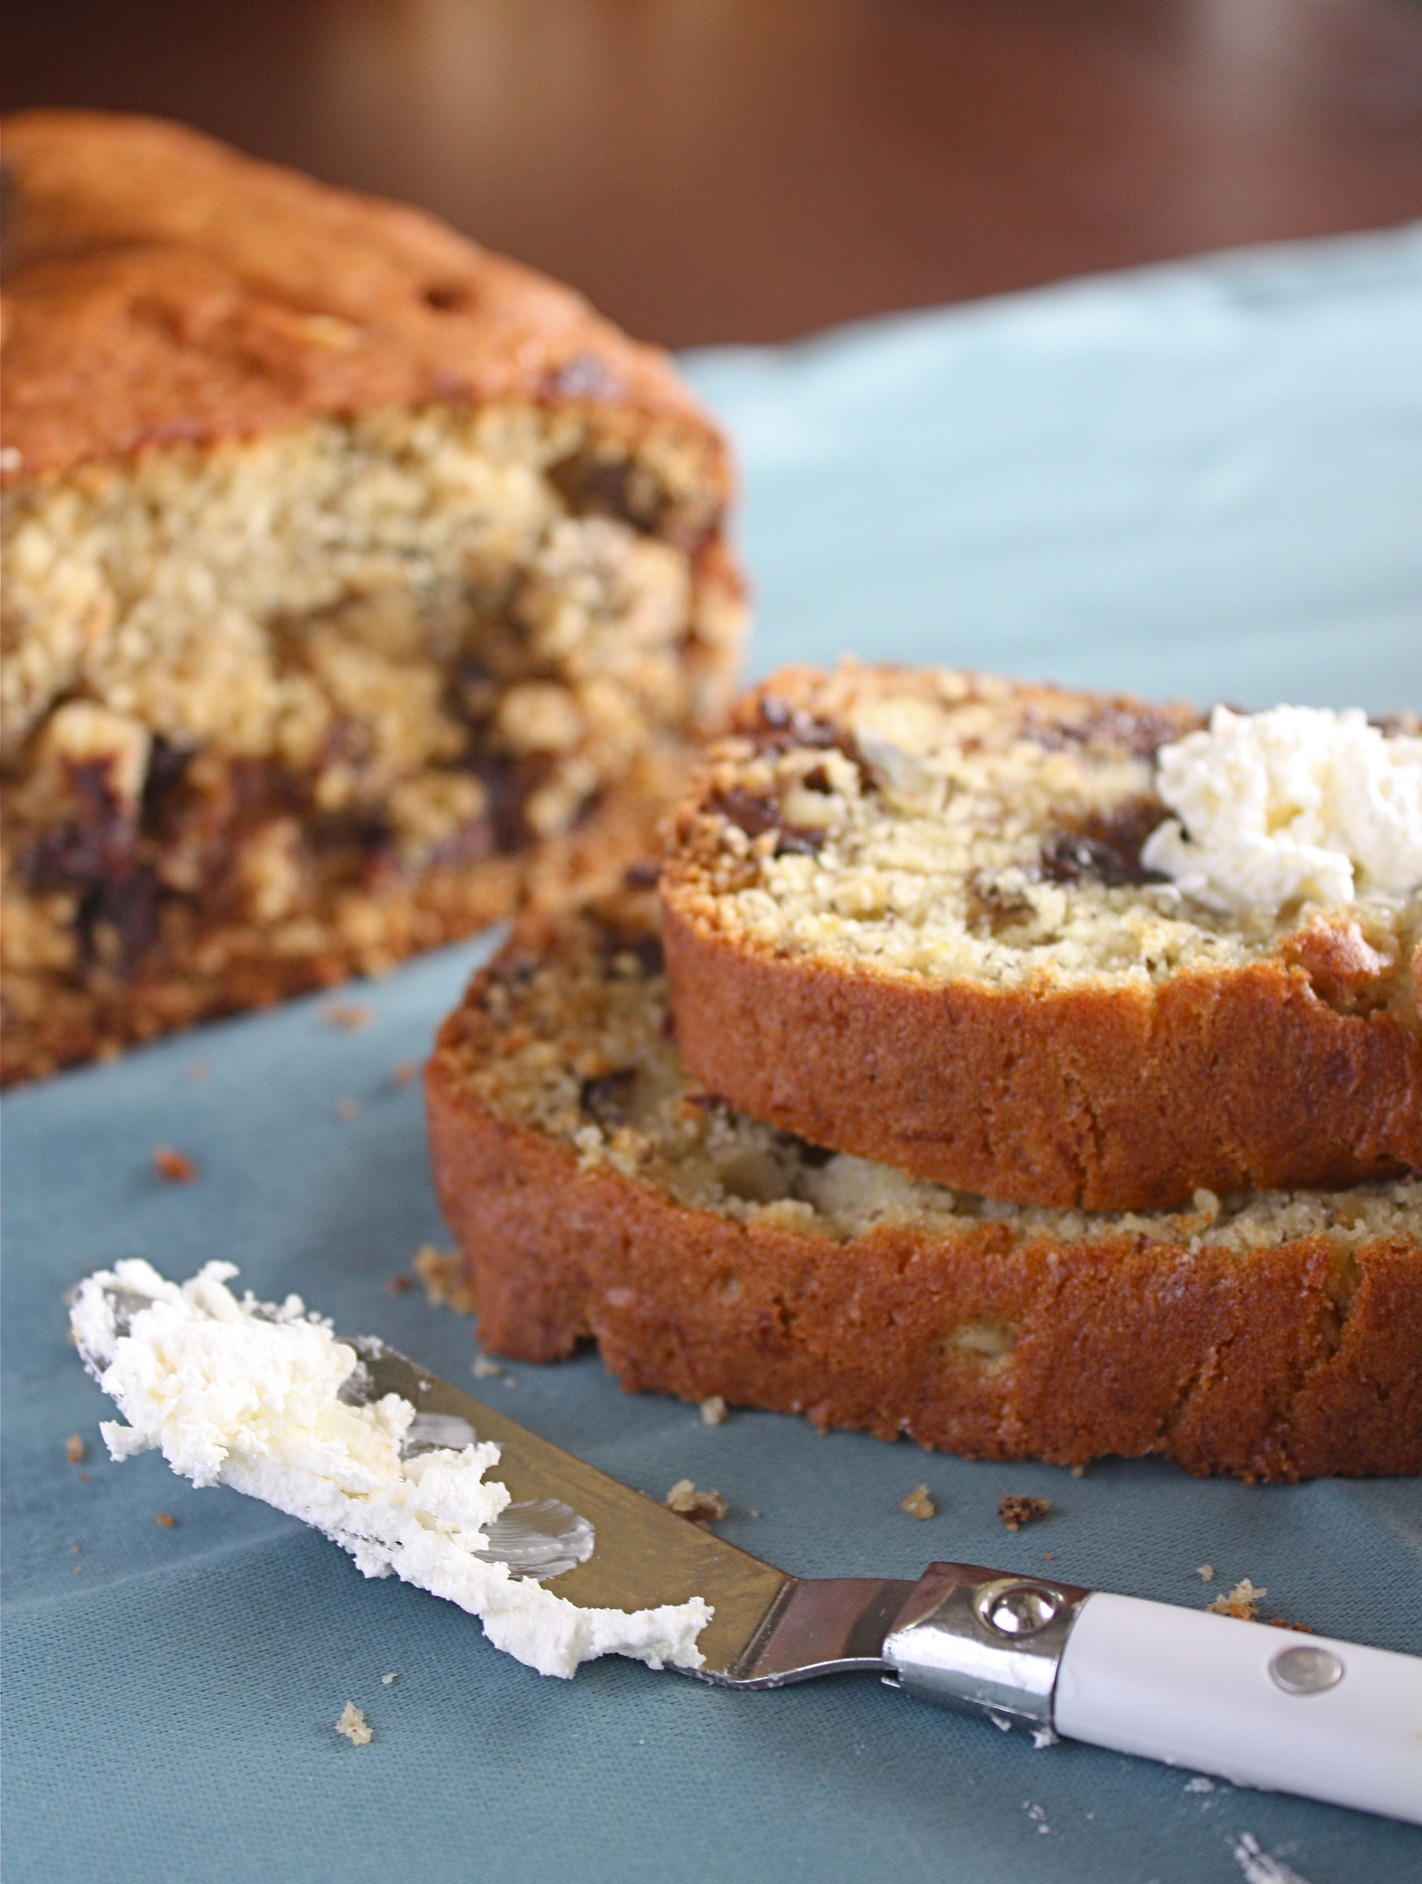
(1258, 1705)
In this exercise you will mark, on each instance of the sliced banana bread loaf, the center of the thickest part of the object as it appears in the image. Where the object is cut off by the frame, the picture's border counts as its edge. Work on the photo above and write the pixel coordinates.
(594, 1191)
(913, 915)
(356, 581)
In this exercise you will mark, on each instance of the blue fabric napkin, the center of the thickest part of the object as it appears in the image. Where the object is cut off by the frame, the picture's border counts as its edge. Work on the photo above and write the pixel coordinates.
(1200, 479)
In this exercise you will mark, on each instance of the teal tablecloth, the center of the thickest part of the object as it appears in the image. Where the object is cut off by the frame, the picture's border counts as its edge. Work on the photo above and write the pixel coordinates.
(1205, 479)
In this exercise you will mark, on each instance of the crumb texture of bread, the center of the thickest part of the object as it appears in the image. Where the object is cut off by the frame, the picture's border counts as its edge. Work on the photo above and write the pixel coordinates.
(358, 584)
(907, 917)
(596, 1191)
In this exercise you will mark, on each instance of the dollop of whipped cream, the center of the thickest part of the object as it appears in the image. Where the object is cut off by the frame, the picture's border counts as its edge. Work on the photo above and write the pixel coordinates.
(247, 1394)
(1295, 803)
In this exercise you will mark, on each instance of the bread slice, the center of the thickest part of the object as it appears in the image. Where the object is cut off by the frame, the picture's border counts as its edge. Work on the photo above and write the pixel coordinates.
(907, 917)
(357, 581)
(594, 1191)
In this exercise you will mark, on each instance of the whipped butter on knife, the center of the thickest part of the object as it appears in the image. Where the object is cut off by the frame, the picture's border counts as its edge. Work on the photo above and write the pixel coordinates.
(264, 1398)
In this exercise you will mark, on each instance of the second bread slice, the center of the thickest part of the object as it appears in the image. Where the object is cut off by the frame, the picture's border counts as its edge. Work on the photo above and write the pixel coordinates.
(595, 1192)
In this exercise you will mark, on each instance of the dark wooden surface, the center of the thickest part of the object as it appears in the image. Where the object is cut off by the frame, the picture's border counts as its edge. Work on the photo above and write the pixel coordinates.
(713, 170)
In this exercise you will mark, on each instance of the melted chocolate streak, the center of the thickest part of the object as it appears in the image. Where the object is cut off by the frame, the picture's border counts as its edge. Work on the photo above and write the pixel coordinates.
(109, 857)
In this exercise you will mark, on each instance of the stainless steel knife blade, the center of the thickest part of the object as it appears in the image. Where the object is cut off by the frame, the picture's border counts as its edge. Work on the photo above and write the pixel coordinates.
(1328, 1719)
(769, 1627)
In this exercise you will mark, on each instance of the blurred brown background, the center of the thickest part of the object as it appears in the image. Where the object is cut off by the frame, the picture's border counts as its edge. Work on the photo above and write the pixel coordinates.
(712, 170)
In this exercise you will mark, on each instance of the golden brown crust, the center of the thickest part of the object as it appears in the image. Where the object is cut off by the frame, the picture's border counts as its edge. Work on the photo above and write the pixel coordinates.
(1281, 1363)
(163, 287)
(1116, 1099)
(1116, 1096)
(361, 586)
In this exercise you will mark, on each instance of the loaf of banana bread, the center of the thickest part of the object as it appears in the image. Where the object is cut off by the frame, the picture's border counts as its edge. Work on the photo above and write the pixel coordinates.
(595, 1191)
(358, 584)
(950, 923)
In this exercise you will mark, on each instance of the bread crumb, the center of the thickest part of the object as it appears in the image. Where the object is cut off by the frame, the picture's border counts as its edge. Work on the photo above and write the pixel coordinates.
(1078, 1471)
(1205, 1572)
(1300, 1628)
(73, 1550)
(483, 1367)
(348, 1016)
(402, 1073)
(1242, 1601)
(174, 1167)
(1199, 1783)
(700, 1506)
(75, 1449)
(443, 1277)
(918, 1504)
(397, 1285)
(1014, 1509)
(354, 1726)
(1049, 1556)
(1045, 1737)
(347, 1108)
(198, 1071)
(166, 1519)
(387, 1679)
(713, 1410)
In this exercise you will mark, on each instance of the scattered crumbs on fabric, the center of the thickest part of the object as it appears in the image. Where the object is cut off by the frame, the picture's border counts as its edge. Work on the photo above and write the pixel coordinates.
(701, 1507)
(347, 1108)
(1045, 1737)
(165, 1520)
(482, 1367)
(402, 1073)
(1038, 1815)
(397, 1285)
(348, 1017)
(918, 1504)
(1197, 1782)
(174, 1167)
(1258, 1866)
(354, 1726)
(713, 1410)
(1242, 1601)
(386, 1680)
(1205, 1572)
(198, 1071)
(1014, 1509)
(443, 1277)
(75, 1449)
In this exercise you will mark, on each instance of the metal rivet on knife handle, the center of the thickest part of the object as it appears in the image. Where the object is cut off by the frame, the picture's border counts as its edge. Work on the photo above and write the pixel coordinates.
(1306, 1670)
(972, 1637)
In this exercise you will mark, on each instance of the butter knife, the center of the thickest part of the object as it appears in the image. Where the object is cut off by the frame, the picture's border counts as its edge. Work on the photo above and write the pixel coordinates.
(1314, 1716)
